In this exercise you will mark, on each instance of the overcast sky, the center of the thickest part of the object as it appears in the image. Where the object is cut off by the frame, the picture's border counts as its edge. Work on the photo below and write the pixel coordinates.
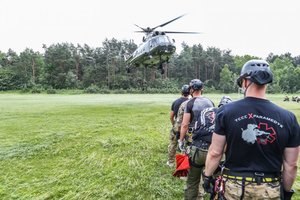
(255, 27)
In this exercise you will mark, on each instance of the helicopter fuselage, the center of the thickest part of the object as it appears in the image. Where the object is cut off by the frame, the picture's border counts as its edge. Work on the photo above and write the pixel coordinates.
(156, 49)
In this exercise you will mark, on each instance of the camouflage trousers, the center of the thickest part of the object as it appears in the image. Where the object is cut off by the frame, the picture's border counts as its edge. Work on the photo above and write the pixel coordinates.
(172, 146)
(194, 189)
(233, 190)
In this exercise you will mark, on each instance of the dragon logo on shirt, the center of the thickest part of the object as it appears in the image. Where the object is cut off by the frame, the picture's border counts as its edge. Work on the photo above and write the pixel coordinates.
(261, 133)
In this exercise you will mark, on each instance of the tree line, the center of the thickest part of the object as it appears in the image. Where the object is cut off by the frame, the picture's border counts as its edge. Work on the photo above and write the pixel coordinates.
(103, 69)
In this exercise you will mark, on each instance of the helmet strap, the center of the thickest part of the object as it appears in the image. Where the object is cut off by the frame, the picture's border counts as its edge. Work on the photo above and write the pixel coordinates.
(192, 92)
(247, 86)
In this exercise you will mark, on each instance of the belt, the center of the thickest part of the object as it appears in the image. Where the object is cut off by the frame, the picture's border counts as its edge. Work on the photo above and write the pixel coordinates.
(201, 144)
(251, 179)
(255, 177)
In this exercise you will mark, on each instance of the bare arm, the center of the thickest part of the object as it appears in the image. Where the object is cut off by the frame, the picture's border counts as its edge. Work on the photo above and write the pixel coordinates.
(172, 117)
(290, 165)
(215, 153)
(184, 125)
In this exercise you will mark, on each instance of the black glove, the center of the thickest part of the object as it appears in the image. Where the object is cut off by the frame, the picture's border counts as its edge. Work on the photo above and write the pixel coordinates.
(177, 133)
(288, 195)
(208, 183)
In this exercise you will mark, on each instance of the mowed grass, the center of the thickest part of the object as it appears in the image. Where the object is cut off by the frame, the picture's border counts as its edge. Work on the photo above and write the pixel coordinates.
(91, 146)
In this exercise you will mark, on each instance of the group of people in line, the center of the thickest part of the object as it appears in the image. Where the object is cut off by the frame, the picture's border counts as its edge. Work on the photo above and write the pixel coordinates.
(251, 143)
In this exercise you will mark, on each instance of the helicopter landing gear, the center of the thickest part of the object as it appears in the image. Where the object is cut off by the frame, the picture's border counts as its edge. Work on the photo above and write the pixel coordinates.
(161, 68)
(128, 70)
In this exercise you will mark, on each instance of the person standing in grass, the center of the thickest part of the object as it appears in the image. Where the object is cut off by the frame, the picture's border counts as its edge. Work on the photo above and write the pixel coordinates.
(199, 146)
(262, 142)
(174, 133)
(188, 138)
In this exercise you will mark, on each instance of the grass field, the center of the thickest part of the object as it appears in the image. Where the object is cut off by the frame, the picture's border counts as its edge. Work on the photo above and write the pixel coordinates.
(90, 146)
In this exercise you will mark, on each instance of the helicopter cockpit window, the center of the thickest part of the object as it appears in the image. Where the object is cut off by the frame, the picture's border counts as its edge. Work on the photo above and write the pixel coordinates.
(163, 39)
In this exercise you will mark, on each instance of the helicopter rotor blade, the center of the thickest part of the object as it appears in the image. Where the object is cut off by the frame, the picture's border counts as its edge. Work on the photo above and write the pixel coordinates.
(144, 30)
(181, 32)
(168, 22)
(177, 32)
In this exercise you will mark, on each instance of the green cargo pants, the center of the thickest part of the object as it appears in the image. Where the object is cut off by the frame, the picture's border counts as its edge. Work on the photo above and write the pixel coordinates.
(193, 188)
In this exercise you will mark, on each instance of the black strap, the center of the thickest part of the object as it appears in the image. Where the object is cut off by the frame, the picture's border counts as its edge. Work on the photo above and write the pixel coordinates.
(243, 189)
(202, 144)
(255, 175)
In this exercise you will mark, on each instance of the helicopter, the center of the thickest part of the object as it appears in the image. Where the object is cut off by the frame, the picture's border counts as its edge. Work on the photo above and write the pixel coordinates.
(156, 49)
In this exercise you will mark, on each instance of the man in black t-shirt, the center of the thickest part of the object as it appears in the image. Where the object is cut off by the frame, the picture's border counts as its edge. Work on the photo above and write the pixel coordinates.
(198, 149)
(262, 141)
(174, 133)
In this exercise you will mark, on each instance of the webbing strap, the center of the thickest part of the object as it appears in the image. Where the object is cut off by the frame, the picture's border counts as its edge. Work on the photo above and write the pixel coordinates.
(251, 179)
(243, 189)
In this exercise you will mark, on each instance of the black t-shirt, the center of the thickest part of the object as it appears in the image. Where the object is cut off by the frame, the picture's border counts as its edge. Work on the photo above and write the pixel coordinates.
(257, 132)
(195, 106)
(205, 125)
(176, 104)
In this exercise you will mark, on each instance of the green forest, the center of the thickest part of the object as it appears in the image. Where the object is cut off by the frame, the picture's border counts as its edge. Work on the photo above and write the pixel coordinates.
(103, 70)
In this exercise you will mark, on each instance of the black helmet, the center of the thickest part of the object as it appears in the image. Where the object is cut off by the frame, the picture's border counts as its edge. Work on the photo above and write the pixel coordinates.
(185, 90)
(225, 100)
(257, 71)
(196, 84)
